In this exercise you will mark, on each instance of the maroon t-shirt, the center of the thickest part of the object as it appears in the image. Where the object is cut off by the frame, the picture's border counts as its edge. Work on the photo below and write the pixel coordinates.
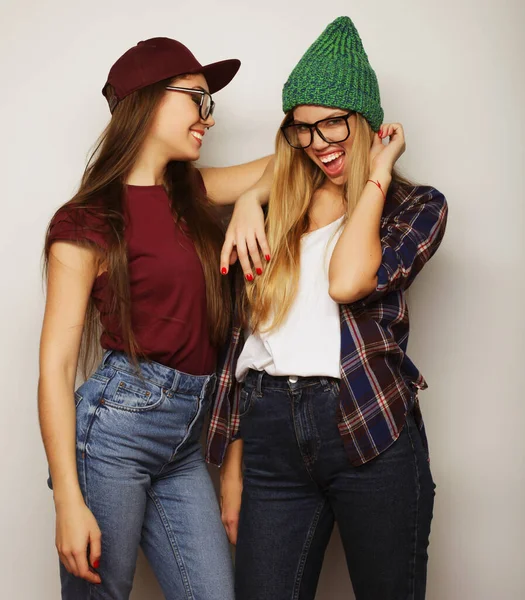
(168, 291)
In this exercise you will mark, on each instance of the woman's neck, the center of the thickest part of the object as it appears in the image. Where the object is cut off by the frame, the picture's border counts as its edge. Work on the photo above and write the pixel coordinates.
(148, 169)
(328, 204)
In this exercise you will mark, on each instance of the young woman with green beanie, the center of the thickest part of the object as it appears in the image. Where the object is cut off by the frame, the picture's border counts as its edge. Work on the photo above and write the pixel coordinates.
(317, 395)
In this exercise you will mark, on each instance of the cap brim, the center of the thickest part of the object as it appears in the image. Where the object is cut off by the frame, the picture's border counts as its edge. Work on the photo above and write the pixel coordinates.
(219, 74)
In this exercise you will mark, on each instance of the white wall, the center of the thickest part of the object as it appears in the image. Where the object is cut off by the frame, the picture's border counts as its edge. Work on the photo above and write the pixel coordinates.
(452, 73)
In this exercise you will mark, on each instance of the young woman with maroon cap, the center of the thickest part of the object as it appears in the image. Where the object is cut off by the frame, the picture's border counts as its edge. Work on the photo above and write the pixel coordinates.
(132, 258)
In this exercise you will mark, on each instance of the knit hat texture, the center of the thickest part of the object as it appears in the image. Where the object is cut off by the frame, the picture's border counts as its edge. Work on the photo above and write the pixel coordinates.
(335, 72)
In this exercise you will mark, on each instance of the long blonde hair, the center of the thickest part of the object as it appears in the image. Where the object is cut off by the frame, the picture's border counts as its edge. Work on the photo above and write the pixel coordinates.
(296, 178)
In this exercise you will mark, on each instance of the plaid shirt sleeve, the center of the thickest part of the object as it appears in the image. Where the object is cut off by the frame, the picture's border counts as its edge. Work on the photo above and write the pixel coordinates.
(223, 427)
(410, 235)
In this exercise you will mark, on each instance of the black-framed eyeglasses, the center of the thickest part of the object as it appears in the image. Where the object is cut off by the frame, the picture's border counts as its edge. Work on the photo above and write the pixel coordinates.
(331, 130)
(204, 99)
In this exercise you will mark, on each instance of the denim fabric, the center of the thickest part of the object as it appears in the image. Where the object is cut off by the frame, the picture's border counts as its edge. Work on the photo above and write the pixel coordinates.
(298, 481)
(143, 476)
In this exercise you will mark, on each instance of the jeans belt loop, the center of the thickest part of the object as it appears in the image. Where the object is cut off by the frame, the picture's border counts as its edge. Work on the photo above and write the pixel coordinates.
(210, 385)
(106, 357)
(258, 387)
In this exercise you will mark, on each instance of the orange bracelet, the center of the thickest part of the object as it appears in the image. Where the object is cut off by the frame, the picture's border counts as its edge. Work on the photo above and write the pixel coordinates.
(379, 186)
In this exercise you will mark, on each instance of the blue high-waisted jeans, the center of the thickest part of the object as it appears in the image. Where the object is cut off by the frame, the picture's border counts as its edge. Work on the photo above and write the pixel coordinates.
(143, 476)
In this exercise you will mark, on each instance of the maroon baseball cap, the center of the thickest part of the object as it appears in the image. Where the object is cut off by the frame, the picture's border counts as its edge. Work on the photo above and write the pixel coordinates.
(161, 58)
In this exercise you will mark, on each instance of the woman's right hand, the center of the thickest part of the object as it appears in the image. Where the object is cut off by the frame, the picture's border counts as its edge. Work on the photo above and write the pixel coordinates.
(78, 533)
(231, 493)
(245, 237)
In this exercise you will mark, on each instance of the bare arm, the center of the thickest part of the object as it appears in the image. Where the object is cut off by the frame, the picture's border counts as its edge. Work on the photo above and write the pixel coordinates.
(357, 255)
(373, 258)
(72, 271)
(246, 237)
(225, 185)
(231, 489)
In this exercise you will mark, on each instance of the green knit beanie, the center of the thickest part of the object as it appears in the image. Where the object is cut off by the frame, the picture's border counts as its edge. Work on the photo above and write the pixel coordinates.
(335, 72)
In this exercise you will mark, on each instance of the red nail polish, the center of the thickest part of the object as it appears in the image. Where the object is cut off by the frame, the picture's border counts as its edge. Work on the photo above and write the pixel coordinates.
(259, 271)
(249, 277)
(96, 564)
(224, 270)
(267, 257)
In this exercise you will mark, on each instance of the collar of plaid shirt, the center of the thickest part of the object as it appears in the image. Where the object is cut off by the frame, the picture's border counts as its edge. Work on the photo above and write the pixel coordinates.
(379, 383)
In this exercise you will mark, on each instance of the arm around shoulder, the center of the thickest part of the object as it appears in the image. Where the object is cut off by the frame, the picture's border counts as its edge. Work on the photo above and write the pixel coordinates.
(224, 185)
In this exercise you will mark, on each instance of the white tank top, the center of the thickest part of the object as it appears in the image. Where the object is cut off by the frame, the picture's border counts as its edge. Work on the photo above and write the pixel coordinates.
(308, 342)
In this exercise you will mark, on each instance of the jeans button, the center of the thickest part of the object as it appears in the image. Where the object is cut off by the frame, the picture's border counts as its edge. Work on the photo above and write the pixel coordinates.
(293, 379)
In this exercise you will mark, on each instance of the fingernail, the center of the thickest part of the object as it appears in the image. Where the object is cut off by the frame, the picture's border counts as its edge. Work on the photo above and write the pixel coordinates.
(96, 564)
(259, 271)
(249, 277)
(267, 257)
(224, 270)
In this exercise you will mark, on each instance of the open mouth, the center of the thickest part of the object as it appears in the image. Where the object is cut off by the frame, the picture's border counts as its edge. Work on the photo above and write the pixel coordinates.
(333, 163)
(197, 135)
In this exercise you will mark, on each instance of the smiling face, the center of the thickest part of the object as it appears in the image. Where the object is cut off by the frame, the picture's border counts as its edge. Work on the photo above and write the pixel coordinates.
(177, 130)
(332, 158)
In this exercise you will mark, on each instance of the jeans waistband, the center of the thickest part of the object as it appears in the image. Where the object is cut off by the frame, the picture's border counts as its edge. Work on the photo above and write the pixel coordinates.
(161, 375)
(261, 380)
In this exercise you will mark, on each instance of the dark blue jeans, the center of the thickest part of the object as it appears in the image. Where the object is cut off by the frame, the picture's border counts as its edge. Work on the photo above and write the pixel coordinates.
(298, 481)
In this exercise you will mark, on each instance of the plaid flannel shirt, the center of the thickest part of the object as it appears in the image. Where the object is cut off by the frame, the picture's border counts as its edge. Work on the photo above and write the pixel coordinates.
(379, 383)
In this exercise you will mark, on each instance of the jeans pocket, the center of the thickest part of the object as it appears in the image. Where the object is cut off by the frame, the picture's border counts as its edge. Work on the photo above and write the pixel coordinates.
(246, 401)
(128, 392)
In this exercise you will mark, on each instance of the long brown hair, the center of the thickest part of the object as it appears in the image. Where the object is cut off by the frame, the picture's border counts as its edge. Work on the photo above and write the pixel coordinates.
(101, 194)
(269, 298)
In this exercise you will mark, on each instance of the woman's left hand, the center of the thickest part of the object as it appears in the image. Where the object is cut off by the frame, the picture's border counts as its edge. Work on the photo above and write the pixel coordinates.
(383, 157)
(230, 503)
